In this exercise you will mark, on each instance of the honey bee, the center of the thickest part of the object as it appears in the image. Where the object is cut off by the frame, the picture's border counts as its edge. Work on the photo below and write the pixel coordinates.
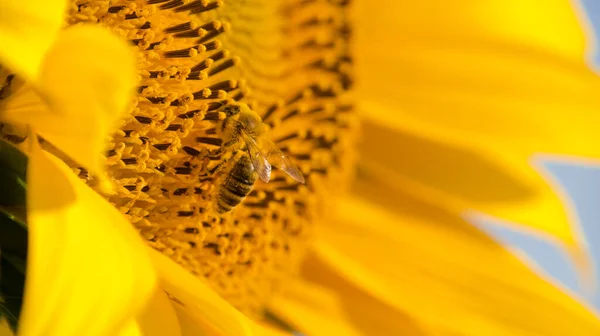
(237, 185)
(243, 127)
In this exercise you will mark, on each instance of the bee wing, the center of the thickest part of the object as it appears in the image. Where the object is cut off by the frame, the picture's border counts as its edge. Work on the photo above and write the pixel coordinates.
(259, 161)
(279, 160)
(261, 165)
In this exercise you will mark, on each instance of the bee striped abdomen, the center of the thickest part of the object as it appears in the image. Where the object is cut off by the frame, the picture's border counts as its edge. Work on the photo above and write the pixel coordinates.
(237, 185)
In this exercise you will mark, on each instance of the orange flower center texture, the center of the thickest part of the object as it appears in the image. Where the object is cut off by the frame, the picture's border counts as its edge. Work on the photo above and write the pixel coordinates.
(289, 62)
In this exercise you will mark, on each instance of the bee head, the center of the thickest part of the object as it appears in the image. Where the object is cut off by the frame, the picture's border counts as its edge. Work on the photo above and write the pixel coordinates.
(231, 110)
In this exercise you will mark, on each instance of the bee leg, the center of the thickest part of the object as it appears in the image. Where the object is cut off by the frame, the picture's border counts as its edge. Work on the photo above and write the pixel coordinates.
(209, 175)
(215, 168)
(224, 146)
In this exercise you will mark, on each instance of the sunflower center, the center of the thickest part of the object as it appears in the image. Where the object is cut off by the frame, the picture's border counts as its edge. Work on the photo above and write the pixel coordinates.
(288, 62)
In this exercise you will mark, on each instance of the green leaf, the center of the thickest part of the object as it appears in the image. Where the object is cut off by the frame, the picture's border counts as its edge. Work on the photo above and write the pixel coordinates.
(13, 172)
(17, 262)
(13, 232)
(13, 236)
(12, 285)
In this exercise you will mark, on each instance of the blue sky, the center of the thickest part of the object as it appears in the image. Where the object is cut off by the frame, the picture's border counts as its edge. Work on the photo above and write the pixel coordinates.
(581, 183)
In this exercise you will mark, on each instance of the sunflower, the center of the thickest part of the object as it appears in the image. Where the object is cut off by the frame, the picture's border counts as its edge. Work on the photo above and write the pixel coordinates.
(383, 251)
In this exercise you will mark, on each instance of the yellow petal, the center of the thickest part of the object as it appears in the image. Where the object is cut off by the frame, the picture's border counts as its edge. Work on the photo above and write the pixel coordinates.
(25, 105)
(463, 178)
(314, 314)
(316, 310)
(198, 306)
(501, 80)
(262, 329)
(158, 317)
(377, 183)
(27, 31)
(492, 69)
(446, 274)
(190, 324)
(86, 84)
(193, 324)
(131, 328)
(87, 271)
